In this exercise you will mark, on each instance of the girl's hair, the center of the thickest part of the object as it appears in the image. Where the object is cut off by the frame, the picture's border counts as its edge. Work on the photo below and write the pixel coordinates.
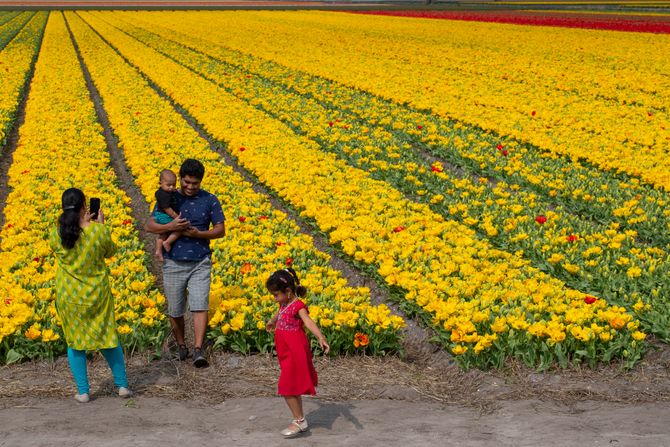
(285, 279)
(68, 223)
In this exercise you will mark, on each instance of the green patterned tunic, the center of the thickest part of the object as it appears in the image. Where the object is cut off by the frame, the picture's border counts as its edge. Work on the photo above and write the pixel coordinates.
(83, 295)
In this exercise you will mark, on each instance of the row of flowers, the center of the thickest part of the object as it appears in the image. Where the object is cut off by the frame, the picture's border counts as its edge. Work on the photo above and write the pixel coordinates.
(485, 304)
(259, 238)
(60, 145)
(580, 188)
(608, 108)
(19, 40)
(638, 24)
(607, 261)
(640, 4)
(6, 16)
(11, 24)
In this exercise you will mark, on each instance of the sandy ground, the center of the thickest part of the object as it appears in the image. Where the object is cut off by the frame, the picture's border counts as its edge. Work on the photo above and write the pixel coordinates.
(362, 401)
(109, 421)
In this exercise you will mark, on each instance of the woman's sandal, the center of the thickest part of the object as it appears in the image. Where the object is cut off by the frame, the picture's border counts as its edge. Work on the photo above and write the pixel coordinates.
(295, 427)
(124, 392)
(82, 398)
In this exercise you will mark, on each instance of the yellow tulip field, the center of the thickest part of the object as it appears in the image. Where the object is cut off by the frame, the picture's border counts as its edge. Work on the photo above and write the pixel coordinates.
(507, 184)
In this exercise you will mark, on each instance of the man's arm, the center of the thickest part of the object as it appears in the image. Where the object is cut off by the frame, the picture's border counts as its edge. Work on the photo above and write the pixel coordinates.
(217, 231)
(178, 224)
(215, 215)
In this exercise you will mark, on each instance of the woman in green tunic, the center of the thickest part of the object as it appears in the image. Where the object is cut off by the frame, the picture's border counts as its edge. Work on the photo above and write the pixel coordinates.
(84, 298)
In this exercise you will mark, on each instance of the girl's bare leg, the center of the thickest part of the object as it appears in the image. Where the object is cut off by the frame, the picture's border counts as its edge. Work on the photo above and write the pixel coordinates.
(295, 405)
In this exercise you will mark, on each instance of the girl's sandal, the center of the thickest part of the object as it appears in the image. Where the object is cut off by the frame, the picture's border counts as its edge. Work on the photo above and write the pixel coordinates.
(295, 427)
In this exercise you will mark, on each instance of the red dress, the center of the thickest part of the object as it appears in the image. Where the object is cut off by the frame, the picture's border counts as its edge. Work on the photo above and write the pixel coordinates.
(298, 375)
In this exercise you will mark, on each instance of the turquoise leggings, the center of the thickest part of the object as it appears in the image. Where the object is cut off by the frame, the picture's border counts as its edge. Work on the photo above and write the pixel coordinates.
(114, 357)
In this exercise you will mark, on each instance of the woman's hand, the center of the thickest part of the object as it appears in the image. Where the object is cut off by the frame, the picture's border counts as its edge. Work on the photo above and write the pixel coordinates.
(271, 325)
(101, 217)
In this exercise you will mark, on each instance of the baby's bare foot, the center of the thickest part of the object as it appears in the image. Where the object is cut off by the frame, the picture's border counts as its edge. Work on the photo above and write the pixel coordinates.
(167, 246)
(159, 255)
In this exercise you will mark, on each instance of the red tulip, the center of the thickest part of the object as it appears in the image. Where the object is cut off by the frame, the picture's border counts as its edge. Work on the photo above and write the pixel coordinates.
(541, 219)
(588, 299)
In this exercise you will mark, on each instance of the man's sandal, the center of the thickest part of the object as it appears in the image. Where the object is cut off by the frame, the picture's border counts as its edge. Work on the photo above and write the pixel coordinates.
(183, 352)
(295, 428)
(199, 360)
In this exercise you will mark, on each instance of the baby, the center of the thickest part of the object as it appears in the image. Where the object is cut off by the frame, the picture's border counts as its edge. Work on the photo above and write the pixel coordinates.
(166, 210)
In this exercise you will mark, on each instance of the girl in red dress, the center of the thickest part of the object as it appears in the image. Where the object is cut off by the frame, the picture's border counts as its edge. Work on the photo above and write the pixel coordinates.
(298, 375)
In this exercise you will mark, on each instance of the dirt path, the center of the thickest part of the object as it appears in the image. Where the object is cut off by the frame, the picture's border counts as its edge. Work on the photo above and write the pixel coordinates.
(109, 421)
(362, 400)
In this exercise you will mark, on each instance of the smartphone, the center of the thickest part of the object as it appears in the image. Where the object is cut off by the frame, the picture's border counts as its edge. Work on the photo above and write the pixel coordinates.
(94, 207)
